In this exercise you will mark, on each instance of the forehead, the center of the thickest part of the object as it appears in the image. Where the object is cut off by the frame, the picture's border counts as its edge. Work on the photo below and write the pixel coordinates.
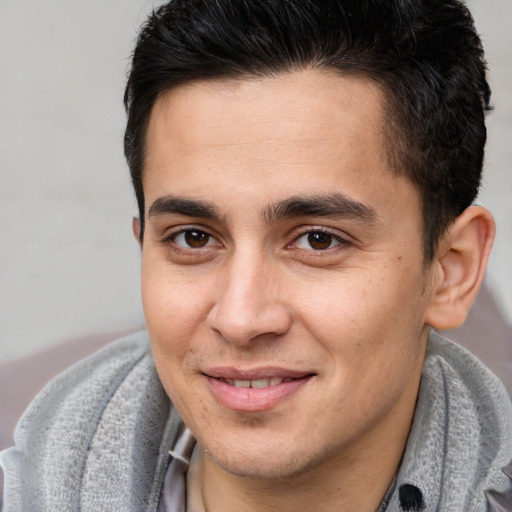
(304, 132)
(302, 107)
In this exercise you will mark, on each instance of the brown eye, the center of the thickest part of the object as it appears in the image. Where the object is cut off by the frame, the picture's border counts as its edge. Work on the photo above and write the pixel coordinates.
(192, 238)
(320, 241)
(196, 238)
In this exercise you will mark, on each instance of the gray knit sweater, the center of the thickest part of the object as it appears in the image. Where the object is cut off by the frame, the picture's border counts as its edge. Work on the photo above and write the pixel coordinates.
(97, 437)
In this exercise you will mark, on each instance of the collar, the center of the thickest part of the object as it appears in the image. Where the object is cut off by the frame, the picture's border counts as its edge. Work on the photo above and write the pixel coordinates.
(460, 437)
(174, 492)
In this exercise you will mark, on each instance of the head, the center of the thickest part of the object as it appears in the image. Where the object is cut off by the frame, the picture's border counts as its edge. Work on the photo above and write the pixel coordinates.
(303, 172)
(426, 57)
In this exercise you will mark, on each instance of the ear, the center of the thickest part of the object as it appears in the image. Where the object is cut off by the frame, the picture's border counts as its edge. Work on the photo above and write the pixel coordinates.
(459, 267)
(136, 229)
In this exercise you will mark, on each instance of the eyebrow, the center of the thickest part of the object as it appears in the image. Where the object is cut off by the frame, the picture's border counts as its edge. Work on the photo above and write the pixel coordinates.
(169, 205)
(331, 205)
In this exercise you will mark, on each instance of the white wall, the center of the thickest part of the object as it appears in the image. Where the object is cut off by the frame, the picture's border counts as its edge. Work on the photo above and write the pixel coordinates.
(68, 264)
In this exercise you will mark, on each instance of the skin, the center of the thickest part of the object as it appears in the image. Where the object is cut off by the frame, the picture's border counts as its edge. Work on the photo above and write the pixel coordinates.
(256, 290)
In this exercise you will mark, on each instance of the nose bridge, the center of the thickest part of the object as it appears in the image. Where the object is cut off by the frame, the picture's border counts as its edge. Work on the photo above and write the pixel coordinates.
(248, 303)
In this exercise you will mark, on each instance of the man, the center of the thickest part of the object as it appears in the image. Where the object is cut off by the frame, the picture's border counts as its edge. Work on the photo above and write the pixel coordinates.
(304, 173)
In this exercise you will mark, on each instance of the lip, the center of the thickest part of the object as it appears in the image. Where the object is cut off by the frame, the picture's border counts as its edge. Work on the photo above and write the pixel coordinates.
(254, 399)
(265, 372)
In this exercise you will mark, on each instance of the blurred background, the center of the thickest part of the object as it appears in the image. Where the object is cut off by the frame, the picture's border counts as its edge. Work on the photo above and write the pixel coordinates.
(69, 267)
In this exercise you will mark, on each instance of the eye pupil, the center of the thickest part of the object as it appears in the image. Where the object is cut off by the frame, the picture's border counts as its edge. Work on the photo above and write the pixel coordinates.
(319, 241)
(196, 238)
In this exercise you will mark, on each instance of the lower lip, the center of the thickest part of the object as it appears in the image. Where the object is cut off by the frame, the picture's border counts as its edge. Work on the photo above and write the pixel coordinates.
(254, 399)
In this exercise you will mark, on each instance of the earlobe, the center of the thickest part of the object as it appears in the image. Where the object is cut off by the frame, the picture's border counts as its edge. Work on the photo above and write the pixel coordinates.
(136, 229)
(461, 261)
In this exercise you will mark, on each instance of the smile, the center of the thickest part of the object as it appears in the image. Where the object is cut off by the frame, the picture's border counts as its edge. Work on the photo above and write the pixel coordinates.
(257, 383)
(255, 391)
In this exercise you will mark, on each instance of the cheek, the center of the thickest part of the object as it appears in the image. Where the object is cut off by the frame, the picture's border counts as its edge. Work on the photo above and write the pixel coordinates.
(171, 321)
(349, 306)
(173, 311)
(366, 316)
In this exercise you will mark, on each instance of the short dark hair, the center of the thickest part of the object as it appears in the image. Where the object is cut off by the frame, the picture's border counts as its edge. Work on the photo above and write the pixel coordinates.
(425, 54)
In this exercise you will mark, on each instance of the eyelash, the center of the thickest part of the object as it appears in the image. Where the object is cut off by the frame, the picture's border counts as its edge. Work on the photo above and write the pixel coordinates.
(340, 241)
(170, 240)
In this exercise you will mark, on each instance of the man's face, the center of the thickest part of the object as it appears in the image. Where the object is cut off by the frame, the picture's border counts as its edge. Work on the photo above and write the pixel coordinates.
(282, 253)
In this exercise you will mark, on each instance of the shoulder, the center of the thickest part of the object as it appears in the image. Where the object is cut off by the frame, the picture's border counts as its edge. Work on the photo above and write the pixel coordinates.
(461, 436)
(81, 437)
(471, 393)
(86, 386)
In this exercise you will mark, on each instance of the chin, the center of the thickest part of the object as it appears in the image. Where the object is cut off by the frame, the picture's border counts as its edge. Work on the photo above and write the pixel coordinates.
(260, 468)
(264, 460)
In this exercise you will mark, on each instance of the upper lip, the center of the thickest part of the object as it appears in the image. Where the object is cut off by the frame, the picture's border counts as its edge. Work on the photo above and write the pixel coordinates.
(266, 372)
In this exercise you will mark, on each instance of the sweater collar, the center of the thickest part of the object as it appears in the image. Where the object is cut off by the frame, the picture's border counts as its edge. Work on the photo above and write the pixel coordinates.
(460, 435)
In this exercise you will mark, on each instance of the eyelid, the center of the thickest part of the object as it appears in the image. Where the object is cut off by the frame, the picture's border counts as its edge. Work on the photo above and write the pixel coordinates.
(343, 239)
(171, 235)
(180, 239)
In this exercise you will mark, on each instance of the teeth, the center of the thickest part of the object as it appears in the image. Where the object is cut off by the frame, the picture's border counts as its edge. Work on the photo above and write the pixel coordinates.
(257, 383)
(260, 383)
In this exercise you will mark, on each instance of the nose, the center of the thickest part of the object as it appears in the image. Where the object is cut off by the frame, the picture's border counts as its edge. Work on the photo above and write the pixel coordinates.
(249, 302)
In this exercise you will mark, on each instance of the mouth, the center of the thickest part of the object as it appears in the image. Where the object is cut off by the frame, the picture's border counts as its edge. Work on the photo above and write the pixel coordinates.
(257, 390)
(257, 383)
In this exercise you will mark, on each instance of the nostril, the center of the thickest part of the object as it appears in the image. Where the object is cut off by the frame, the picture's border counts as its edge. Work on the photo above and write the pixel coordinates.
(244, 322)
